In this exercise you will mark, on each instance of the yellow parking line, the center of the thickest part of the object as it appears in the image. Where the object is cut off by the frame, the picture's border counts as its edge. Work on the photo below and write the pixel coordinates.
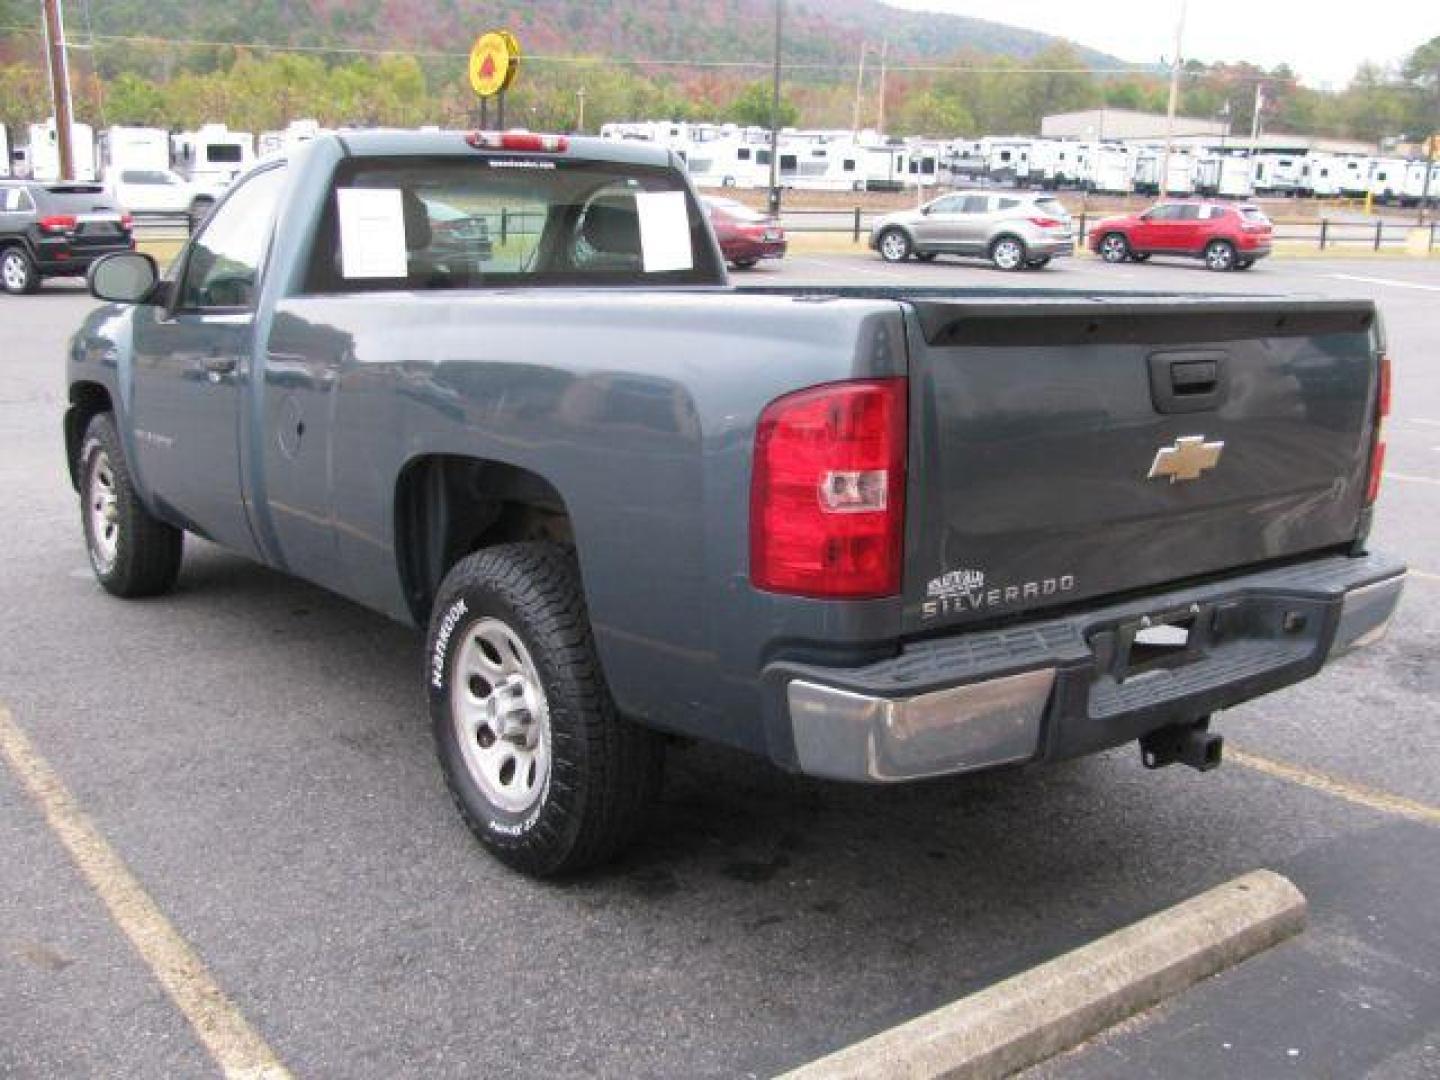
(236, 1047)
(1334, 785)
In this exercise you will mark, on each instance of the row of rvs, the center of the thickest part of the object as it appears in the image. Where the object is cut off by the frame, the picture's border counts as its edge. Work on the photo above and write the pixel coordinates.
(207, 158)
(728, 155)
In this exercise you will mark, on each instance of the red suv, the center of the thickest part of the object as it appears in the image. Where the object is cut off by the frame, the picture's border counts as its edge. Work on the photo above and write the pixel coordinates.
(1226, 236)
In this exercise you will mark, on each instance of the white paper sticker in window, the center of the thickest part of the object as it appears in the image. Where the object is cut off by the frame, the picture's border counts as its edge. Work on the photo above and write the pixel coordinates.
(372, 233)
(664, 231)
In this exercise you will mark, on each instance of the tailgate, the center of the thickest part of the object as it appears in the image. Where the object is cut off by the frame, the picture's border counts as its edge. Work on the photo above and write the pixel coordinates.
(1066, 450)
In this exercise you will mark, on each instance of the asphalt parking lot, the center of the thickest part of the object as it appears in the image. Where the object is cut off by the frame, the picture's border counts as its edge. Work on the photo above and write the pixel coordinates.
(256, 752)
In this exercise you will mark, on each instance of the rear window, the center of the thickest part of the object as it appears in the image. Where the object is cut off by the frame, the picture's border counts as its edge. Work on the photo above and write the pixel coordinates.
(73, 198)
(737, 210)
(1255, 214)
(224, 153)
(537, 221)
(1053, 207)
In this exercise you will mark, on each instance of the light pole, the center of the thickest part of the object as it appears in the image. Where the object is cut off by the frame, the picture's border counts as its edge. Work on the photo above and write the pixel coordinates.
(1174, 100)
(774, 200)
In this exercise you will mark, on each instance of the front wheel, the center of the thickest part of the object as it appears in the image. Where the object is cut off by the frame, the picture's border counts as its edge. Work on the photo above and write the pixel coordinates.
(544, 771)
(1219, 255)
(1037, 264)
(1008, 253)
(132, 553)
(745, 264)
(1114, 248)
(17, 272)
(926, 256)
(894, 246)
(1140, 256)
(1244, 264)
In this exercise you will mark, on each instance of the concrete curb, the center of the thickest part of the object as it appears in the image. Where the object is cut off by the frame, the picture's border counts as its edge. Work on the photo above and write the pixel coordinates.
(1038, 1013)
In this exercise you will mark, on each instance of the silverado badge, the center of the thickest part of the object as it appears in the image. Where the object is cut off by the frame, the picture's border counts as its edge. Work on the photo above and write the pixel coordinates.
(1187, 459)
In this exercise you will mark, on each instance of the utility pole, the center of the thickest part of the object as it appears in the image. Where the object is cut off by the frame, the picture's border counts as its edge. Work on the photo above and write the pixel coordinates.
(1255, 120)
(1429, 175)
(775, 119)
(1164, 185)
(859, 89)
(880, 121)
(59, 85)
(580, 122)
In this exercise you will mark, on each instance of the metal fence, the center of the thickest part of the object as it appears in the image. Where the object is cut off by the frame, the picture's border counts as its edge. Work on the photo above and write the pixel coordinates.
(1323, 233)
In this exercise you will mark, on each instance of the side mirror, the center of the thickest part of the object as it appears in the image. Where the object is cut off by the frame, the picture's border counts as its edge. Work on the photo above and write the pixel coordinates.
(126, 277)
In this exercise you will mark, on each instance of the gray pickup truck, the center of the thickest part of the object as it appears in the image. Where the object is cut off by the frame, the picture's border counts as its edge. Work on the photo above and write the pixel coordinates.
(872, 534)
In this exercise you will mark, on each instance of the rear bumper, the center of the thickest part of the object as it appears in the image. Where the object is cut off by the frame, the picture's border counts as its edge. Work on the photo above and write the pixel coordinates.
(736, 250)
(1059, 688)
(1051, 247)
(56, 258)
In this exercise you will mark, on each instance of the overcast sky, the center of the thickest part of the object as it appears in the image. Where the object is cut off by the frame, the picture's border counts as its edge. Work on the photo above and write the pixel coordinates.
(1323, 41)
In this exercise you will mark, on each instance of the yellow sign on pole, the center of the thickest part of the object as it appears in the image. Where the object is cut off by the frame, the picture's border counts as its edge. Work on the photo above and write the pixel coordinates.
(494, 60)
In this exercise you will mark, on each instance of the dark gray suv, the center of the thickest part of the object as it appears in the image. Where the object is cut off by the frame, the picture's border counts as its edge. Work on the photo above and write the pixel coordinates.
(56, 230)
(1015, 230)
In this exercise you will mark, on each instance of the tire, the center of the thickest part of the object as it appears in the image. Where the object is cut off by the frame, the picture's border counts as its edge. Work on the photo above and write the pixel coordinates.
(1008, 253)
(1114, 248)
(132, 553)
(745, 264)
(560, 781)
(926, 256)
(18, 275)
(1037, 264)
(1244, 264)
(894, 246)
(1220, 255)
(1140, 256)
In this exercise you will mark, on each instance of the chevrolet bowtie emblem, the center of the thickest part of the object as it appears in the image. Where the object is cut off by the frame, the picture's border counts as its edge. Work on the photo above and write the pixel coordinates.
(1187, 459)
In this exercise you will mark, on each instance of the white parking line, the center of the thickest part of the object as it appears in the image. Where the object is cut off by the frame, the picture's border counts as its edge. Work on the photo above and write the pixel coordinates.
(1411, 478)
(1392, 282)
(1425, 575)
(230, 1040)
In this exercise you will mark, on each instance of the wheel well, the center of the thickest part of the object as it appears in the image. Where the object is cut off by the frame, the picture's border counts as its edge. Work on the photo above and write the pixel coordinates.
(87, 401)
(448, 506)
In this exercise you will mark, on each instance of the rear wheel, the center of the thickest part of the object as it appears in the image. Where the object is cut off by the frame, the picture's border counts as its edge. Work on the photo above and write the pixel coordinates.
(544, 771)
(1140, 256)
(926, 256)
(894, 246)
(745, 264)
(1244, 264)
(132, 553)
(1114, 247)
(1008, 253)
(1038, 264)
(1220, 255)
(17, 272)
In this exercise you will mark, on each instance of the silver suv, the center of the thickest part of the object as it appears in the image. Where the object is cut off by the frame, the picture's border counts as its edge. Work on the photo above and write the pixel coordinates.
(1016, 230)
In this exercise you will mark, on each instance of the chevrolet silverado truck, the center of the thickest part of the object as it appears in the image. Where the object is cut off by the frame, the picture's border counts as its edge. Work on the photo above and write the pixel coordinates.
(869, 534)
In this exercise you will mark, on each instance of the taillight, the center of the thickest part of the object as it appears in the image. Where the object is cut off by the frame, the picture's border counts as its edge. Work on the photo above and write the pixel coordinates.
(523, 141)
(827, 494)
(1377, 451)
(57, 223)
(1046, 222)
(127, 221)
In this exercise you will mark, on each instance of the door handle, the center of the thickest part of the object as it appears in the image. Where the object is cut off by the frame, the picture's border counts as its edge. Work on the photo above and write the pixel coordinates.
(216, 366)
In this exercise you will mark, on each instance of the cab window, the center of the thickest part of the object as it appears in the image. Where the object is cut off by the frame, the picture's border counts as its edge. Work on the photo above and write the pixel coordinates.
(222, 269)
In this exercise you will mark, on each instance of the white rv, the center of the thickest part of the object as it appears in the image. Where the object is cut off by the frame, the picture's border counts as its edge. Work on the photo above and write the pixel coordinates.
(133, 148)
(295, 135)
(1355, 177)
(733, 160)
(923, 169)
(885, 168)
(1057, 164)
(4, 151)
(211, 156)
(1111, 169)
(44, 152)
(1150, 160)
(1276, 174)
(1007, 161)
(1387, 179)
(1321, 175)
(1224, 173)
